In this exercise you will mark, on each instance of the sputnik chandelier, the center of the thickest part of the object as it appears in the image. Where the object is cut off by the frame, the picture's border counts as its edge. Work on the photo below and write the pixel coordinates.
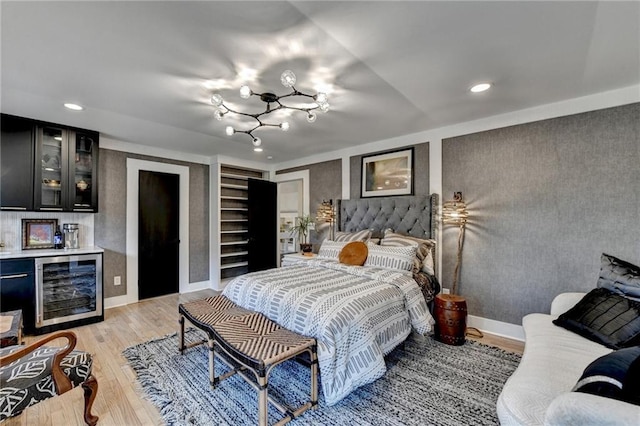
(288, 79)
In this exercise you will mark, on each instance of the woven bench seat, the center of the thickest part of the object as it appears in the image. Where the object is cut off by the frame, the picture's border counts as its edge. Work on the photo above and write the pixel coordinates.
(249, 341)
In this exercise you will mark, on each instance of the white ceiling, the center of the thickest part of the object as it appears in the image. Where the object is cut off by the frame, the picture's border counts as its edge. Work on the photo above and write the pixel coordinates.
(144, 70)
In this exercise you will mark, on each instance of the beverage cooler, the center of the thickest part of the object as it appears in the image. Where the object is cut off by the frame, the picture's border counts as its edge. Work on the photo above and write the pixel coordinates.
(68, 290)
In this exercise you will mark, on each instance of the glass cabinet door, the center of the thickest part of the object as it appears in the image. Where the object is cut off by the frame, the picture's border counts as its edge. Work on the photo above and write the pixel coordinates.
(83, 172)
(52, 168)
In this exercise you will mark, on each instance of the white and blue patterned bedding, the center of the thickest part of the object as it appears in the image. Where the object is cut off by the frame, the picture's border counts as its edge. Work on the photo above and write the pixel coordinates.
(358, 314)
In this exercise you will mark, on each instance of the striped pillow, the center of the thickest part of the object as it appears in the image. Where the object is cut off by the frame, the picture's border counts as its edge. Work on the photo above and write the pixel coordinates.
(363, 235)
(330, 249)
(391, 257)
(424, 256)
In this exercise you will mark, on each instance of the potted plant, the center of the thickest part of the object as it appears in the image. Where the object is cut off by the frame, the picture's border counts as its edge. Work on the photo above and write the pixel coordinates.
(300, 230)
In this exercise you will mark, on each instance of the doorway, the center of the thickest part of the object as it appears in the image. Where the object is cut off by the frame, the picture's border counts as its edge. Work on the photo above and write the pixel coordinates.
(134, 167)
(158, 234)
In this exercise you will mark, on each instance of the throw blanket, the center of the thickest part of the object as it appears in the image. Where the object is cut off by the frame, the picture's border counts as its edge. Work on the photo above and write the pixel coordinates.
(357, 314)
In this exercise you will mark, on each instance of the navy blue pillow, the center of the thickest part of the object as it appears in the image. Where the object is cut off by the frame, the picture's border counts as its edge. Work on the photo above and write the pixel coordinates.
(616, 375)
(604, 317)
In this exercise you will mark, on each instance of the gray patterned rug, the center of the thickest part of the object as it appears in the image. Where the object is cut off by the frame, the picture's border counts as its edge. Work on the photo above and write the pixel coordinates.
(427, 383)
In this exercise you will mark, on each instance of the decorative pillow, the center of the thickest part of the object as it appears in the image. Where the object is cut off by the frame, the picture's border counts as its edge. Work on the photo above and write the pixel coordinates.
(391, 257)
(428, 284)
(424, 256)
(619, 276)
(330, 249)
(615, 375)
(363, 235)
(604, 317)
(354, 253)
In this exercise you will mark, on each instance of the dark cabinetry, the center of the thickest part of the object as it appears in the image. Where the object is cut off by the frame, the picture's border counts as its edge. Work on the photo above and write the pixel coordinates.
(17, 289)
(47, 167)
(17, 158)
(66, 170)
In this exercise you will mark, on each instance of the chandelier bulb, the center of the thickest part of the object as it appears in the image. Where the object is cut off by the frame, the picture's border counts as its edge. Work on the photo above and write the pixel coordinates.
(288, 78)
(216, 99)
(245, 92)
(230, 131)
(321, 98)
(284, 126)
(257, 142)
(311, 117)
(325, 107)
(218, 114)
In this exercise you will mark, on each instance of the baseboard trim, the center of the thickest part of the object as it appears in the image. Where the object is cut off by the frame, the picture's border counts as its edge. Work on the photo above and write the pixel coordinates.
(201, 285)
(114, 302)
(499, 328)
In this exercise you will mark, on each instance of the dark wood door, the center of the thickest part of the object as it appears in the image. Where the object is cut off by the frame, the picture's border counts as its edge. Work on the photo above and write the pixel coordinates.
(158, 234)
(263, 225)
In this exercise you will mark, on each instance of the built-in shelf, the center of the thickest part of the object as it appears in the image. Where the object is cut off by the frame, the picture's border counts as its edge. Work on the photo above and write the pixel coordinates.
(234, 212)
(235, 253)
(234, 265)
(232, 186)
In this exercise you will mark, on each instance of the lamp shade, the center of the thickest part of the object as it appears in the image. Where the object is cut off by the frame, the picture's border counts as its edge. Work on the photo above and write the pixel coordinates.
(454, 212)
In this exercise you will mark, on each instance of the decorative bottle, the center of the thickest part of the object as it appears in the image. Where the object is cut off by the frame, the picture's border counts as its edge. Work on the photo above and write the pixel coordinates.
(58, 241)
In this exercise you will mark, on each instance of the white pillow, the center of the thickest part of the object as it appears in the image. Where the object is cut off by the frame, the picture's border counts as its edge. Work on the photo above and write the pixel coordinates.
(391, 257)
(331, 249)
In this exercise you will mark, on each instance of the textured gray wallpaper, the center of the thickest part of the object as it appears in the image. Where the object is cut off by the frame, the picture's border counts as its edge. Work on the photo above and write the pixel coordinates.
(546, 199)
(110, 222)
(420, 170)
(325, 183)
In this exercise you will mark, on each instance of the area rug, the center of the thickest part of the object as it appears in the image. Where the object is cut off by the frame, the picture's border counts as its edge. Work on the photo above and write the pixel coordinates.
(427, 383)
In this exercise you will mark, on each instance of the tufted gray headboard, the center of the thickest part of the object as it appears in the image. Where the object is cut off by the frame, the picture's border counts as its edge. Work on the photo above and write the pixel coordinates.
(411, 215)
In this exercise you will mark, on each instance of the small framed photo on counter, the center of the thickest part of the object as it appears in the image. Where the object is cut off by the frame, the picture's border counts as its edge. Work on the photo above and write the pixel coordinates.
(38, 233)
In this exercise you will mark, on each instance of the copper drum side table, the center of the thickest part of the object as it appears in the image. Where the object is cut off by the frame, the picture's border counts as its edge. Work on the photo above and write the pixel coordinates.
(451, 318)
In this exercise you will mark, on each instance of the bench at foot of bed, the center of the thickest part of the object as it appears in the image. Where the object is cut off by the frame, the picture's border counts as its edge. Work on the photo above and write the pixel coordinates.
(249, 341)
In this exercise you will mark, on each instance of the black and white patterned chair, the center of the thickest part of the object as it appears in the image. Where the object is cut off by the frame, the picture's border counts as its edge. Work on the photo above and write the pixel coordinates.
(33, 373)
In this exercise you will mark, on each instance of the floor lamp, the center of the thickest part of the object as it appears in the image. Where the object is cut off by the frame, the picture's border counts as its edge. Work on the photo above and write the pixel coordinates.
(450, 309)
(327, 213)
(454, 212)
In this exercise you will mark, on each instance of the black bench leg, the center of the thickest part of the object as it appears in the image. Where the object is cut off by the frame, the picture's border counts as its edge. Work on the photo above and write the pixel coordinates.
(212, 373)
(314, 378)
(181, 335)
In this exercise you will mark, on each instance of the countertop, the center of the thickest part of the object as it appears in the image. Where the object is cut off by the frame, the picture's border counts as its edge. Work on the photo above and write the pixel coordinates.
(49, 252)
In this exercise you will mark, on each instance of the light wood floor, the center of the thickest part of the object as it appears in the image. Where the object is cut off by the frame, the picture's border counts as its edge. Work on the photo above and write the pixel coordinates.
(119, 401)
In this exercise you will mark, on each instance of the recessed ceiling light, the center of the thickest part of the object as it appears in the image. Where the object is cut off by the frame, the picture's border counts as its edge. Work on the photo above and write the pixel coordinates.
(269, 157)
(480, 87)
(257, 149)
(74, 107)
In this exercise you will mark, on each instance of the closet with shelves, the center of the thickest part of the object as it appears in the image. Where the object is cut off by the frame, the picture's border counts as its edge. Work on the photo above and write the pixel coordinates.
(234, 219)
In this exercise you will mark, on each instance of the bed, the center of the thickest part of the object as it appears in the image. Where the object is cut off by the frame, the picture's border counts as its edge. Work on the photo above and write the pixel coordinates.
(358, 314)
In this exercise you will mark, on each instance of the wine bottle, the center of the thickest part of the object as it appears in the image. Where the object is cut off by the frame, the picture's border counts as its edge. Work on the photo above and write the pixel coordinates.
(58, 241)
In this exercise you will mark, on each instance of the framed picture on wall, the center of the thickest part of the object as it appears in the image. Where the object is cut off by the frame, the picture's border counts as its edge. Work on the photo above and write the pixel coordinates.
(38, 233)
(390, 173)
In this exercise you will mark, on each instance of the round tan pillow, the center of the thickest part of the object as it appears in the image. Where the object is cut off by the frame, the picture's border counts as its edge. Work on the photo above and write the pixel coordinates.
(354, 253)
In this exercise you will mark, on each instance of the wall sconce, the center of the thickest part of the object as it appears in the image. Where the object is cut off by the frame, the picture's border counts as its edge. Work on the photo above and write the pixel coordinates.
(454, 212)
(326, 213)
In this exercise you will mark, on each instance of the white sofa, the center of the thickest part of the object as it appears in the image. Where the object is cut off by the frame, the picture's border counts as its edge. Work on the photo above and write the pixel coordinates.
(539, 391)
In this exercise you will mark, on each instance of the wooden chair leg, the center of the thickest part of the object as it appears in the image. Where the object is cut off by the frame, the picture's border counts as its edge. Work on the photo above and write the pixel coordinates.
(90, 388)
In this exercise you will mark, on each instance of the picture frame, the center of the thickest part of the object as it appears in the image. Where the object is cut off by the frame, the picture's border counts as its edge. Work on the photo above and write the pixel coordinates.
(389, 173)
(38, 233)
